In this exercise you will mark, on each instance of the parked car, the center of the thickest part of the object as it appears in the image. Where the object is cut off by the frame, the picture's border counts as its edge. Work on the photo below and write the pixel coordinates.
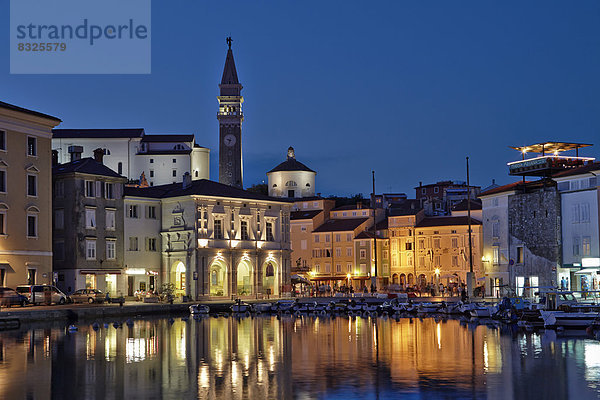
(43, 294)
(88, 295)
(10, 297)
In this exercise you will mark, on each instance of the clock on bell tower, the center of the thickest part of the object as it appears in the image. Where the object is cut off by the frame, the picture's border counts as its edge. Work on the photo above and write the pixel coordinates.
(230, 118)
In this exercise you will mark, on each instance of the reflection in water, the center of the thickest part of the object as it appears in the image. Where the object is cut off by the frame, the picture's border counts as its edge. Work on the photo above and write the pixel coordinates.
(265, 357)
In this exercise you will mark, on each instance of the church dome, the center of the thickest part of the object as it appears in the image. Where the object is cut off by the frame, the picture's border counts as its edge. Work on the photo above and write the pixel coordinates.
(291, 164)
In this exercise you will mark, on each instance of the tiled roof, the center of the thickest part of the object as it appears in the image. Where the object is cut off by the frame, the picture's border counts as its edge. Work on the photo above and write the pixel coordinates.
(366, 235)
(310, 214)
(338, 225)
(503, 188)
(350, 207)
(85, 166)
(97, 133)
(578, 171)
(12, 107)
(167, 138)
(446, 221)
(462, 206)
(200, 187)
(291, 165)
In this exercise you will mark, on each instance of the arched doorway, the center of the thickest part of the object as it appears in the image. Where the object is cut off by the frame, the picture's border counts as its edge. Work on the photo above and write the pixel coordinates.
(422, 280)
(270, 272)
(395, 279)
(245, 282)
(218, 278)
(402, 279)
(411, 279)
(178, 278)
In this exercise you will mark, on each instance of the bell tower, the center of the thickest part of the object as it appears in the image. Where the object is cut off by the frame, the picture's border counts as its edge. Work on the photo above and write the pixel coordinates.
(230, 118)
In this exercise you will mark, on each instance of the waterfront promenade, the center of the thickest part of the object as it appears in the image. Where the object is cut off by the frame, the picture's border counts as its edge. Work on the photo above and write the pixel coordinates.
(76, 312)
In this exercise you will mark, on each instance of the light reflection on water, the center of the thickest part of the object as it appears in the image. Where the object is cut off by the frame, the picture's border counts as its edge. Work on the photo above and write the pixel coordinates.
(306, 358)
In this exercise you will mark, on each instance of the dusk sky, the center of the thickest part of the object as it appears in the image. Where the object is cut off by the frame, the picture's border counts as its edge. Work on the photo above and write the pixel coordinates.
(407, 89)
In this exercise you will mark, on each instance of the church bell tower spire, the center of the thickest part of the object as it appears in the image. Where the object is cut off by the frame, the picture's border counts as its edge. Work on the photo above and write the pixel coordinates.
(230, 118)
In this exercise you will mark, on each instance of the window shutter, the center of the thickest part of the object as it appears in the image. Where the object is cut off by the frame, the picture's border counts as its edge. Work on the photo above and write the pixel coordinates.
(117, 190)
(146, 244)
(98, 189)
(146, 213)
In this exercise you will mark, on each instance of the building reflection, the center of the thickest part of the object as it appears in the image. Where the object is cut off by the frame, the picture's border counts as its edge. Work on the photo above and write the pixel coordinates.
(266, 357)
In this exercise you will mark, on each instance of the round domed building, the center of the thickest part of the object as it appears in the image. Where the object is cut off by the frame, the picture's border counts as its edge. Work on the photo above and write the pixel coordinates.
(291, 178)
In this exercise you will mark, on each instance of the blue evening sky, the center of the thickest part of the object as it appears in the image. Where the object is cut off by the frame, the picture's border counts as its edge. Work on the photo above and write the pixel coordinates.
(407, 88)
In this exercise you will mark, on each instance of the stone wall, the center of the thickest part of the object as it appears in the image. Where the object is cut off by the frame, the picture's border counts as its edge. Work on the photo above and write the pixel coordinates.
(534, 223)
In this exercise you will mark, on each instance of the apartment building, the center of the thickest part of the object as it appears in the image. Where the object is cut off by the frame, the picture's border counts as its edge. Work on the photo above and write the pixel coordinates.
(25, 196)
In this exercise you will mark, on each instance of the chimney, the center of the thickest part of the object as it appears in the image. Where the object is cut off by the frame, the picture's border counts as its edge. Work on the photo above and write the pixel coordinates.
(187, 180)
(75, 152)
(99, 155)
(54, 157)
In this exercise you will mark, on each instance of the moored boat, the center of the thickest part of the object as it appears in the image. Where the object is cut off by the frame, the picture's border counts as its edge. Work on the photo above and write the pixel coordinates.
(569, 320)
(199, 309)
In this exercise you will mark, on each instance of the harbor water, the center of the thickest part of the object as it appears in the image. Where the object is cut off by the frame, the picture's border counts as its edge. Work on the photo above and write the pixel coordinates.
(266, 357)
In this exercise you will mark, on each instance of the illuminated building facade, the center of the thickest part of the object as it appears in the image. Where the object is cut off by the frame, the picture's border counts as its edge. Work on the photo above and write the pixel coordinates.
(221, 241)
(333, 260)
(25, 196)
(433, 249)
(306, 215)
(143, 216)
(579, 197)
(524, 222)
(291, 179)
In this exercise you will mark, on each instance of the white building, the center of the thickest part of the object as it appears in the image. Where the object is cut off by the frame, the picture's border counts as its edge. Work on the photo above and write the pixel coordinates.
(215, 240)
(291, 178)
(142, 260)
(580, 232)
(496, 238)
(162, 159)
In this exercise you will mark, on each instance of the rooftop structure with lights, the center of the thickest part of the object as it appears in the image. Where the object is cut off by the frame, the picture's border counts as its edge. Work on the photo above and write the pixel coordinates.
(549, 159)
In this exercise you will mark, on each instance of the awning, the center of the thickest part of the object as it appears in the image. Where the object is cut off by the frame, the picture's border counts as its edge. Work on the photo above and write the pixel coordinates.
(584, 271)
(328, 278)
(7, 267)
(100, 272)
(299, 279)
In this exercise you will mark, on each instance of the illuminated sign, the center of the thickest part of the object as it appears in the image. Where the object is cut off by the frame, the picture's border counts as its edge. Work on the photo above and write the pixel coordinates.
(590, 262)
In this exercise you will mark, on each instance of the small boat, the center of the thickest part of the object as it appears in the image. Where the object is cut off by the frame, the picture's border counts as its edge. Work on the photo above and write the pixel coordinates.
(481, 311)
(304, 307)
(240, 307)
(354, 307)
(450, 308)
(428, 308)
(262, 307)
(199, 309)
(283, 306)
(572, 320)
(370, 308)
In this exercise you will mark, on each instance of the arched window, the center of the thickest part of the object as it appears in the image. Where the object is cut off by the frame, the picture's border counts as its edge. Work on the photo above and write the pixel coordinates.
(196, 173)
(106, 152)
(120, 168)
(291, 183)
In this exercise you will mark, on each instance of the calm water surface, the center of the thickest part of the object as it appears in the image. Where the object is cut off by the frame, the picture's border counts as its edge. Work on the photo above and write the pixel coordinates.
(263, 357)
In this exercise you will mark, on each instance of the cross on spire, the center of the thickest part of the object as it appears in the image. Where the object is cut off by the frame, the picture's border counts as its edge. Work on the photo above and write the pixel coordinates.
(229, 40)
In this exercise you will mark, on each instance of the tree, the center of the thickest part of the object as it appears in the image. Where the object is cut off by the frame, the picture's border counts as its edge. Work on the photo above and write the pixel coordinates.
(260, 188)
